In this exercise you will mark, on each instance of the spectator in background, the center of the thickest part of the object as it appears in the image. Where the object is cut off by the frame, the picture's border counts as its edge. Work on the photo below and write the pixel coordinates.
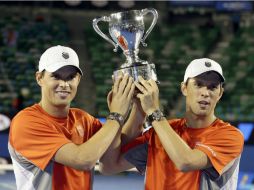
(199, 151)
(236, 19)
(18, 102)
(17, 105)
(10, 36)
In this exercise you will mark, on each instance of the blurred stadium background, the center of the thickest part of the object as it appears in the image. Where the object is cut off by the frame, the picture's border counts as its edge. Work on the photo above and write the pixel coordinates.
(221, 30)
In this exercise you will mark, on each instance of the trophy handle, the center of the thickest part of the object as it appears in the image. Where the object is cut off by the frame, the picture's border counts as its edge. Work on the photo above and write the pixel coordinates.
(97, 29)
(155, 18)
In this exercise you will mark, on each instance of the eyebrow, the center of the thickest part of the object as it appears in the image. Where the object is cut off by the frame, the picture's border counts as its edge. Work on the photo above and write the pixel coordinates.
(207, 83)
(54, 74)
(64, 76)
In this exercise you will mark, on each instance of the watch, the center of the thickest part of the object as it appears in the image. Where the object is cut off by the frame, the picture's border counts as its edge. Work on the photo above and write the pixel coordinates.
(157, 115)
(116, 116)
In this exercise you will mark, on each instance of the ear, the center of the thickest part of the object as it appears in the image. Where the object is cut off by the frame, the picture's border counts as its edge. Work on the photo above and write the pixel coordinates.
(79, 78)
(221, 93)
(38, 77)
(184, 88)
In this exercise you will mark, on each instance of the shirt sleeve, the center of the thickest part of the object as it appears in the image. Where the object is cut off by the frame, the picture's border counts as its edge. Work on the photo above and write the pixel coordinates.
(35, 139)
(222, 147)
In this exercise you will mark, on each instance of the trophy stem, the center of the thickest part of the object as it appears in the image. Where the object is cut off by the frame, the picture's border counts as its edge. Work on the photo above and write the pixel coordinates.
(131, 58)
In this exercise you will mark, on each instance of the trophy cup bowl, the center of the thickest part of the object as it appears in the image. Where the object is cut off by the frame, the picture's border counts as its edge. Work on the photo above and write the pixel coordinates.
(127, 31)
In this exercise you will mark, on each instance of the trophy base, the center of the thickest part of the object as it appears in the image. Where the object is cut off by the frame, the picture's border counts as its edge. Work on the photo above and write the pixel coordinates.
(147, 71)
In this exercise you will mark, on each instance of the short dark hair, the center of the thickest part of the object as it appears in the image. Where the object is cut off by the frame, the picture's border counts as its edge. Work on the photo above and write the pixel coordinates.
(211, 76)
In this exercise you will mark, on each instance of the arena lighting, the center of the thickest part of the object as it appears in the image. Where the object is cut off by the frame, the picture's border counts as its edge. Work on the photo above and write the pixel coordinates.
(126, 4)
(73, 2)
(101, 3)
(4, 122)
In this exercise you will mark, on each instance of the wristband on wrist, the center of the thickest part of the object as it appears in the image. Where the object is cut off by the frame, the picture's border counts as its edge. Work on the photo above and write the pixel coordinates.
(157, 115)
(116, 116)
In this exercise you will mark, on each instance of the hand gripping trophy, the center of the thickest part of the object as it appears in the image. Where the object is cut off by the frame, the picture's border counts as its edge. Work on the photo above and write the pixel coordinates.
(127, 31)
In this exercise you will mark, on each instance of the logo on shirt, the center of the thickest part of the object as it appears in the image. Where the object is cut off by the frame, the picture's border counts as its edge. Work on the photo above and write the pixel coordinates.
(80, 130)
(207, 147)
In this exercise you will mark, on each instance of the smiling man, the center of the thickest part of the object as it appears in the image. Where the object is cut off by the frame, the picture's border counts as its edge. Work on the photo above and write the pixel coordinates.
(197, 152)
(54, 146)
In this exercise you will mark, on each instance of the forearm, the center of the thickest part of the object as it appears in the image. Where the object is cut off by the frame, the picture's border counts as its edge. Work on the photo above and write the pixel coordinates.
(113, 161)
(130, 131)
(92, 150)
(111, 157)
(133, 126)
(185, 158)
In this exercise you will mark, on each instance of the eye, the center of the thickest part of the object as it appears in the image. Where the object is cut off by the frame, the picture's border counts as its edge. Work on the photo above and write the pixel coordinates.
(56, 77)
(71, 77)
(198, 84)
(212, 87)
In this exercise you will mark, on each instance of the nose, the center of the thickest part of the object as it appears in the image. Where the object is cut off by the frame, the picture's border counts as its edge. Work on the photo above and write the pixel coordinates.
(204, 91)
(64, 84)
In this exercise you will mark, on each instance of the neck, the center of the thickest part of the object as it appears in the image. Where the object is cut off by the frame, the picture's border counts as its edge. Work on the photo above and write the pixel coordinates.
(55, 111)
(199, 122)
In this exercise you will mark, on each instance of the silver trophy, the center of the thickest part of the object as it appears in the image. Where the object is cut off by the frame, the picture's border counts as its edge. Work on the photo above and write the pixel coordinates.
(127, 31)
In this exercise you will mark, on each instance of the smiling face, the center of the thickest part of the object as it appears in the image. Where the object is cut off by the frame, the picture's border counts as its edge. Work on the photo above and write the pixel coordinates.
(202, 94)
(58, 88)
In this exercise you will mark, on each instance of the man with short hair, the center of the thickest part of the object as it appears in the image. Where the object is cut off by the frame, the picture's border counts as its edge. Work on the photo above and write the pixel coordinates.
(199, 151)
(54, 146)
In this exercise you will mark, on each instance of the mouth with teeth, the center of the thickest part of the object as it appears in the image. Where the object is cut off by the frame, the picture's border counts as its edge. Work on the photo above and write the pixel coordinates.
(203, 104)
(63, 94)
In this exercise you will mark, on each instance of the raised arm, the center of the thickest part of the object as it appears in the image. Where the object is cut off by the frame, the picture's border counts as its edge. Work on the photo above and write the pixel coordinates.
(85, 156)
(113, 161)
(134, 125)
(185, 158)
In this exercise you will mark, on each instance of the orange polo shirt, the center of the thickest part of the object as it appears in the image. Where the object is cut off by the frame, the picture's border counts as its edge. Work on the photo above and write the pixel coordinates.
(221, 142)
(35, 136)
